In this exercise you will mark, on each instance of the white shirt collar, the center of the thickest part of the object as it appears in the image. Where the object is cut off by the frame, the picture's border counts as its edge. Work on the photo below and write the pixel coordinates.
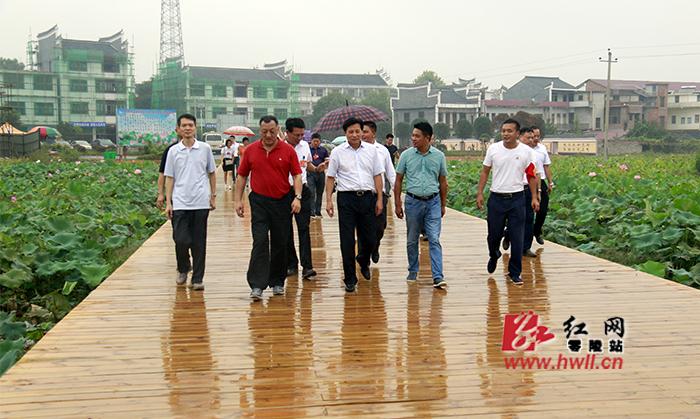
(181, 146)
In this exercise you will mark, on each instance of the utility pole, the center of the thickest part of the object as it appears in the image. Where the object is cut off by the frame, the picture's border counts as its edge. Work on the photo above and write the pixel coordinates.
(606, 114)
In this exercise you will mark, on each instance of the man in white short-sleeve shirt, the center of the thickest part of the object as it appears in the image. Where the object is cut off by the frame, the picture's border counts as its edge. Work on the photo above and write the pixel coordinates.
(545, 185)
(509, 160)
(355, 166)
(190, 191)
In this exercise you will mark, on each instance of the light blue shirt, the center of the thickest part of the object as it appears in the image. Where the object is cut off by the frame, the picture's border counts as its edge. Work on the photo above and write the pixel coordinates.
(422, 171)
(190, 169)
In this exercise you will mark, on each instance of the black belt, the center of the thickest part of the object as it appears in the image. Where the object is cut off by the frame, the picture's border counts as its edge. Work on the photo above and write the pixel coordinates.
(508, 195)
(422, 198)
(356, 193)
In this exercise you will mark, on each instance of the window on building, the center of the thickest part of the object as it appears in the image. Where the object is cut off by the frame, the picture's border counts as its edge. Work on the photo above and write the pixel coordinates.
(662, 102)
(240, 90)
(682, 120)
(333, 91)
(77, 66)
(673, 119)
(260, 92)
(616, 98)
(218, 91)
(462, 115)
(571, 97)
(280, 93)
(319, 92)
(240, 111)
(280, 113)
(108, 107)
(216, 111)
(19, 107)
(200, 112)
(421, 114)
(78, 85)
(110, 86)
(43, 109)
(555, 98)
(597, 123)
(196, 89)
(43, 82)
(676, 98)
(110, 65)
(406, 117)
(698, 98)
(14, 80)
(697, 118)
(79, 108)
(580, 97)
(259, 113)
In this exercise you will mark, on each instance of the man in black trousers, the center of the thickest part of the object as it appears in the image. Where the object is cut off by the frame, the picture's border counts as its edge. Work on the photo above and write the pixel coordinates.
(270, 161)
(356, 167)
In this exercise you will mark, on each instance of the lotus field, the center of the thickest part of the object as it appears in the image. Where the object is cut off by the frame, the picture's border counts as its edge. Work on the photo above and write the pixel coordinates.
(64, 227)
(642, 211)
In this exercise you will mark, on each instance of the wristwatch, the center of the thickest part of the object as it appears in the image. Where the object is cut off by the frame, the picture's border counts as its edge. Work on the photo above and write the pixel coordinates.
(297, 197)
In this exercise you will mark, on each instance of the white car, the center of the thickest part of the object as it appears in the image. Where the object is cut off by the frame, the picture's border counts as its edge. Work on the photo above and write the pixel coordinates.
(82, 145)
(215, 141)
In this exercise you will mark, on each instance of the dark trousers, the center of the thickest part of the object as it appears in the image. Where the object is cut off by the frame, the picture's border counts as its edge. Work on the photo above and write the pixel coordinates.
(356, 213)
(544, 206)
(380, 226)
(303, 218)
(316, 182)
(190, 235)
(529, 220)
(498, 210)
(270, 224)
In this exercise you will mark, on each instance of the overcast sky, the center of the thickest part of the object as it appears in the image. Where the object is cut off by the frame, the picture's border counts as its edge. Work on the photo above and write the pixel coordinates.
(497, 42)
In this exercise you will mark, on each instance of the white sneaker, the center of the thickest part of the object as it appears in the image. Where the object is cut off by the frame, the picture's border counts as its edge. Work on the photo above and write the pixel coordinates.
(199, 286)
(181, 278)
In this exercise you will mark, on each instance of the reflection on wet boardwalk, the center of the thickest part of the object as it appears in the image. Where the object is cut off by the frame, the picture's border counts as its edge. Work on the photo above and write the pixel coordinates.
(140, 347)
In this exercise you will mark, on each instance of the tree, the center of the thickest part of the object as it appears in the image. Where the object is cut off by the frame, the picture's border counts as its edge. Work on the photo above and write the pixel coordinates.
(325, 105)
(403, 131)
(429, 76)
(646, 129)
(69, 132)
(11, 116)
(11, 64)
(381, 100)
(144, 94)
(499, 119)
(463, 129)
(441, 131)
(483, 127)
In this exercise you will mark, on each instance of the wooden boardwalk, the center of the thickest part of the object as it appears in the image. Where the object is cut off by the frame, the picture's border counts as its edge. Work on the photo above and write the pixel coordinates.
(139, 346)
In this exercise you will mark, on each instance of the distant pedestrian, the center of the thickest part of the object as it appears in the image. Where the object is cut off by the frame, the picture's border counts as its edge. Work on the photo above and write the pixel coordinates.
(543, 168)
(227, 162)
(393, 150)
(317, 175)
(269, 162)
(425, 169)
(190, 191)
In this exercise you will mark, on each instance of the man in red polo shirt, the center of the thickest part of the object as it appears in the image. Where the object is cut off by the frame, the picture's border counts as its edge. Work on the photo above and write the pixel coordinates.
(270, 161)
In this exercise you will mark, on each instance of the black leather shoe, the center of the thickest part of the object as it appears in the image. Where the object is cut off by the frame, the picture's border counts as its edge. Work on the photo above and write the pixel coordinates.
(292, 271)
(506, 242)
(366, 272)
(516, 280)
(375, 256)
(491, 267)
(307, 273)
(349, 288)
(539, 239)
(529, 253)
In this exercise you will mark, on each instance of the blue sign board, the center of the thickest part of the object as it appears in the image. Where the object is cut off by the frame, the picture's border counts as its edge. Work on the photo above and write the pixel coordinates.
(89, 124)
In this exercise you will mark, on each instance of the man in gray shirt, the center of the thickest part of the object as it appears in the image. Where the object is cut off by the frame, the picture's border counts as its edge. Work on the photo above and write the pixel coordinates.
(190, 192)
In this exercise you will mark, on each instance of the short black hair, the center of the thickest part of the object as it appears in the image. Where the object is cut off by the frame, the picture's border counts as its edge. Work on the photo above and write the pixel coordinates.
(525, 129)
(292, 123)
(229, 139)
(352, 121)
(389, 135)
(269, 118)
(425, 128)
(512, 121)
(244, 139)
(315, 135)
(534, 127)
(371, 126)
(186, 116)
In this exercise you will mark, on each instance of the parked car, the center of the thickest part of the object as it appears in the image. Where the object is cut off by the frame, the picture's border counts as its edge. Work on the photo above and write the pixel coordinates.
(216, 141)
(103, 144)
(82, 145)
(62, 143)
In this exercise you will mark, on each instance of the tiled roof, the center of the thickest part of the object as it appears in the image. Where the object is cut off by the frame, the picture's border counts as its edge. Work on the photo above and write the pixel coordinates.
(233, 74)
(341, 79)
(535, 88)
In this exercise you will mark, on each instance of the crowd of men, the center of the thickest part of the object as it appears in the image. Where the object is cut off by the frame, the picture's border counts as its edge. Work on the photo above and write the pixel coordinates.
(288, 176)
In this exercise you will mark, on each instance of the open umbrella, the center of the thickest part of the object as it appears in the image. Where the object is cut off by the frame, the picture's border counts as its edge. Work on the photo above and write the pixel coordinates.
(239, 130)
(46, 132)
(339, 140)
(334, 119)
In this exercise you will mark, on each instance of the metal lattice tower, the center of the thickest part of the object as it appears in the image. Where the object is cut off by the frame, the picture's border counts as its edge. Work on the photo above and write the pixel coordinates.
(171, 48)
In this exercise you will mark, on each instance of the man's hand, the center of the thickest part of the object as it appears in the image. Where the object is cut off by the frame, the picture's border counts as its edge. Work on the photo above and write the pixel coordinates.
(535, 204)
(550, 186)
(296, 206)
(212, 203)
(169, 211)
(379, 208)
(480, 200)
(238, 206)
(398, 210)
(443, 209)
(329, 208)
(160, 200)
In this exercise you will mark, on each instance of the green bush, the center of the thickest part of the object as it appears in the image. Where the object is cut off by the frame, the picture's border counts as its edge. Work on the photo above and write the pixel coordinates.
(697, 163)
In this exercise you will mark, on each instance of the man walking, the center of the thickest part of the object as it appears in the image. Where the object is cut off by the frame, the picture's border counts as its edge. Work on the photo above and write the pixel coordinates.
(425, 169)
(356, 167)
(393, 150)
(316, 176)
(190, 192)
(509, 160)
(295, 134)
(369, 134)
(270, 161)
(543, 162)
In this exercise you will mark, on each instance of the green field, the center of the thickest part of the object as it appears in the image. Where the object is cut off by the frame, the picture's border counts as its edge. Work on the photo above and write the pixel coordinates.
(64, 227)
(641, 211)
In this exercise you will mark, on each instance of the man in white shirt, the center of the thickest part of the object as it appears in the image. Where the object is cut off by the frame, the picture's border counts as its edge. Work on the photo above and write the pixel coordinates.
(190, 192)
(545, 186)
(369, 135)
(295, 134)
(355, 166)
(509, 160)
